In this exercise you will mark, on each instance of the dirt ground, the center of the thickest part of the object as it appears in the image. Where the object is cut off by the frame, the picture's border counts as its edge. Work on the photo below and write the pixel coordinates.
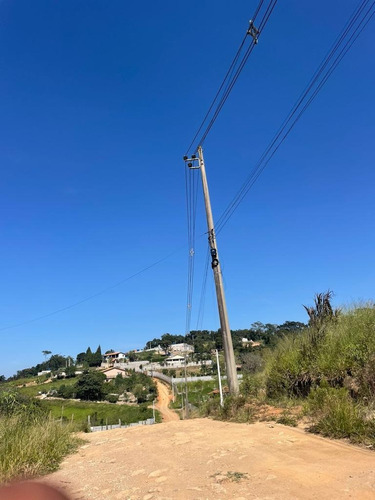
(204, 459)
(164, 398)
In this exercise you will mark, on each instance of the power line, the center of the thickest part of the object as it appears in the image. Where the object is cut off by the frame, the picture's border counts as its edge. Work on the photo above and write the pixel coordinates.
(191, 192)
(353, 28)
(94, 295)
(233, 72)
(202, 299)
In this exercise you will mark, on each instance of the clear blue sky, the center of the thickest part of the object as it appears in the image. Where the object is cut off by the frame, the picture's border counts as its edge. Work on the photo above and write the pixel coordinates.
(99, 101)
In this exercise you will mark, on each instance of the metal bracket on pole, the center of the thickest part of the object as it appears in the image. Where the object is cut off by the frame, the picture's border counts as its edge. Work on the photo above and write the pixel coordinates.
(192, 163)
(253, 31)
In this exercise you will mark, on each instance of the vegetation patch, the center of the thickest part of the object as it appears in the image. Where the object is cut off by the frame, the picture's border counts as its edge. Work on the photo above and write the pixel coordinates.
(77, 413)
(230, 476)
(31, 442)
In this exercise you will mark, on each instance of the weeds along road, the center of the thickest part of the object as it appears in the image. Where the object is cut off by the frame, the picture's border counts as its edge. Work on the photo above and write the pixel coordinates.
(205, 459)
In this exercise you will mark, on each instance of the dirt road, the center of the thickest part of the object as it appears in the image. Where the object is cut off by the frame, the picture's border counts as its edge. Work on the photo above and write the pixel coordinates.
(203, 459)
(164, 398)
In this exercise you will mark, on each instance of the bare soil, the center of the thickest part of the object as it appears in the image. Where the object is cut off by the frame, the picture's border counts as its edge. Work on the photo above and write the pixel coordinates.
(205, 459)
(164, 398)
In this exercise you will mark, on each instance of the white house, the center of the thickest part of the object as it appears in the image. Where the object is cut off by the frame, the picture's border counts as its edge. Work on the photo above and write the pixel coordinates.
(114, 356)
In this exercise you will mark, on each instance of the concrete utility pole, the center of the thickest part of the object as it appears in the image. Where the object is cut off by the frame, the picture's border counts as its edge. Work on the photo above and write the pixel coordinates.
(230, 362)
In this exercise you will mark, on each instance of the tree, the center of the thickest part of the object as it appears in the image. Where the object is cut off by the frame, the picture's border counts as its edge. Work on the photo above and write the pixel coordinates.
(81, 357)
(2, 378)
(70, 371)
(251, 362)
(90, 386)
(55, 362)
(89, 356)
(97, 357)
(45, 354)
(139, 393)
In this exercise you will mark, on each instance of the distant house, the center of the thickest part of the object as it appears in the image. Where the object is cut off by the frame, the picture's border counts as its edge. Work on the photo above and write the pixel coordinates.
(175, 360)
(111, 357)
(44, 372)
(178, 348)
(111, 373)
(250, 343)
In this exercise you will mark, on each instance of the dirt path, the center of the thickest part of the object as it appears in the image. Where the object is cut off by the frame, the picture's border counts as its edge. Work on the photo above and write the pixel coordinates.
(164, 398)
(203, 459)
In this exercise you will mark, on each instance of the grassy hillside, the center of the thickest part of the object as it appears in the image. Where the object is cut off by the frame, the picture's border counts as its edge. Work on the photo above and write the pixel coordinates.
(343, 355)
(327, 371)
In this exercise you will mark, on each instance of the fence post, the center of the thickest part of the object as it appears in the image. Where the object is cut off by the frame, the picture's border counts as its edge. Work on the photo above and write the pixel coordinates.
(119, 422)
(106, 423)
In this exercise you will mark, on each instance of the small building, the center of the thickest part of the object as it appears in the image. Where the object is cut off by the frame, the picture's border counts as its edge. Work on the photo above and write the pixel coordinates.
(175, 360)
(111, 373)
(44, 372)
(186, 348)
(111, 357)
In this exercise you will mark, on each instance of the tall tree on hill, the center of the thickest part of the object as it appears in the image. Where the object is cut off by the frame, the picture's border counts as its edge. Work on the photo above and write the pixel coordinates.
(89, 356)
(97, 357)
(45, 354)
(81, 357)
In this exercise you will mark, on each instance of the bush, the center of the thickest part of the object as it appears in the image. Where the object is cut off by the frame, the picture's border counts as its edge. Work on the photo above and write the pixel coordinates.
(90, 386)
(252, 385)
(66, 391)
(335, 414)
(111, 398)
(13, 403)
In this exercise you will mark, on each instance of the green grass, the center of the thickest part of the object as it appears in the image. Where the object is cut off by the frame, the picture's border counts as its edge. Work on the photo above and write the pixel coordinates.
(33, 390)
(335, 414)
(347, 349)
(31, 447)
(198, 392)
(100, 413)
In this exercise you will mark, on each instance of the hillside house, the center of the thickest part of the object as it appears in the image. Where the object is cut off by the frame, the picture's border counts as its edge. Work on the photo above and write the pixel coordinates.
(111, 373)
(112, 357)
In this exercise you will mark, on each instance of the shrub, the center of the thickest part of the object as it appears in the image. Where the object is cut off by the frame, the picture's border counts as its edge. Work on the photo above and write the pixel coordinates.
(252, 385)
(66, 391)
(335, 414)
(13, 403)
(90, 386)
(112, 398)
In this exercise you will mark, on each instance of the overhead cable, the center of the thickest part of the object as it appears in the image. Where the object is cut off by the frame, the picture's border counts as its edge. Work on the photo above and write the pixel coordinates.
(94, 295)
(246, 47)
(356, 23)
